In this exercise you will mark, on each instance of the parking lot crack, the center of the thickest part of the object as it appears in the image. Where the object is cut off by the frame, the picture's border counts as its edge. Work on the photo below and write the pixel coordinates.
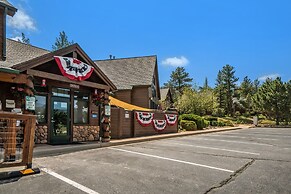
(232, 177)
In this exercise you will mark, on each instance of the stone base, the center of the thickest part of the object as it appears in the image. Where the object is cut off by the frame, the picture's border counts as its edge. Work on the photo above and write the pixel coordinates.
(41, 134)
(85, 133)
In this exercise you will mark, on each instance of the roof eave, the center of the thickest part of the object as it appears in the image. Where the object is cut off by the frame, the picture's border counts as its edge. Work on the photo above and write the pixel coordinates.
(11, 10)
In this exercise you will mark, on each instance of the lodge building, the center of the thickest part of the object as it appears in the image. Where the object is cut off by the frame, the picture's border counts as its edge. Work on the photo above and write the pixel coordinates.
(69, 93)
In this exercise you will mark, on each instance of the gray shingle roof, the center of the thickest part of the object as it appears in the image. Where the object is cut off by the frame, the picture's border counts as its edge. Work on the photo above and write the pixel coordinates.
(164, 92)
(18, 52)
(128, 72)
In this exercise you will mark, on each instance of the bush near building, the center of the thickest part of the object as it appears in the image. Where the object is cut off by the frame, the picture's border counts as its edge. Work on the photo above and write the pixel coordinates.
(188, 125)
(200, 122)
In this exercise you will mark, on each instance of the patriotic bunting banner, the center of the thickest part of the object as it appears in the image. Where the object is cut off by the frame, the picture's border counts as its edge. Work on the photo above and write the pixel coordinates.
(159, 125)
(74, 69)
(144, 118)
(171, 119)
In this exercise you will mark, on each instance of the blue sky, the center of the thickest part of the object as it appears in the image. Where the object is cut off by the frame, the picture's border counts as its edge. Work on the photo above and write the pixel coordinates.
(254, 36)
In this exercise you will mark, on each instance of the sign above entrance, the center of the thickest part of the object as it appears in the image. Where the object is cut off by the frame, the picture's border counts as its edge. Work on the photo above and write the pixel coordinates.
(74, 69)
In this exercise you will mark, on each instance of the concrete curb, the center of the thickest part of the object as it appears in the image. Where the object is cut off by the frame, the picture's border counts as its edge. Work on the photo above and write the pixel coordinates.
(49, 150)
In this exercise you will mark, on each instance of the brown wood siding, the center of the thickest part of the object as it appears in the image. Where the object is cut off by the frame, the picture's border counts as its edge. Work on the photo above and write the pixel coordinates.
(149, 130)
(115, 126)
(121, 127)
(123, 95)
(140, 97)
(1, 32)
(93, 110)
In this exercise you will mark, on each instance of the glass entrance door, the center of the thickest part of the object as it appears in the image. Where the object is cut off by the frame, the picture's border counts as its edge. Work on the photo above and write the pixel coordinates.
(60, 120)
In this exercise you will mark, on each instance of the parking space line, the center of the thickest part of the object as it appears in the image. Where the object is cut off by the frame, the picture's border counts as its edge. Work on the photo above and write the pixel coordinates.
(213, 148)
(262, 134)
(241, 142)
(173, 160)
(243, 137)
(69, 181)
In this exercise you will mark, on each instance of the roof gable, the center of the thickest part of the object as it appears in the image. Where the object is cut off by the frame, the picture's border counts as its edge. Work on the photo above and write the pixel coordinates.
(74, 49)
(128, 72)
(166, 92)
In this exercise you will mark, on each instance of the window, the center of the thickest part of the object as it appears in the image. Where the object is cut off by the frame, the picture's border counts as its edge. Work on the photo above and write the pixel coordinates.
(40, 108)
(61, 92)
(81, 102)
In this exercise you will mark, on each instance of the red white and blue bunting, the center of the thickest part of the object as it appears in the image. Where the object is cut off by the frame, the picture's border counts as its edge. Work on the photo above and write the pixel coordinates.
(144, 118)
(74, 69)
(171, 119)
(159, 125)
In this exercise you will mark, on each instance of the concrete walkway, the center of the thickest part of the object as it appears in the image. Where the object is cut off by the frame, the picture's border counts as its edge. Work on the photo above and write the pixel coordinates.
(43, 150)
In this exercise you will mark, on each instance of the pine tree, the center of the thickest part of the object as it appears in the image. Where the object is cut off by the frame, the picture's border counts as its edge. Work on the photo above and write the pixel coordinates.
(179, 80)
(229, 84)
(272, 100)
(62, 41)
(246, 91)
(219, 90)
(205, 85)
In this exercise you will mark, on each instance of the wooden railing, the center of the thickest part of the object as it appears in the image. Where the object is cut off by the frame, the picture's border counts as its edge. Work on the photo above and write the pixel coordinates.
(16, 139)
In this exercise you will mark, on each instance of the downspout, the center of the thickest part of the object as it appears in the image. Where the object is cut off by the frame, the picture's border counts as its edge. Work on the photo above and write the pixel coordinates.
(4, 35)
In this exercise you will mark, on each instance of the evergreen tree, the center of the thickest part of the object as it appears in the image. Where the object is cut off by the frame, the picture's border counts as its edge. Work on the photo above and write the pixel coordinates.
(246, 87)
(205, 85)
(179, 80)
(246, 91)
(219, 90)
(62, 41)
(256, 85)
(228, 84)
(273, 100)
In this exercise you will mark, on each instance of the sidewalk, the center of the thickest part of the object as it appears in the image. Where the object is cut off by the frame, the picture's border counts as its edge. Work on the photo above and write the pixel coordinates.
(43, 150)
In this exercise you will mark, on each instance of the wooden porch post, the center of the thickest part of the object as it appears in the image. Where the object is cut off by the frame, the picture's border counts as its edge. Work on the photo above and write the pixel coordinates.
(10, 145)
(105, 121)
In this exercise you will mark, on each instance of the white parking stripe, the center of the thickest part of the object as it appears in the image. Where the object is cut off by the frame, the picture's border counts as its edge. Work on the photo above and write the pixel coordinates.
(173, 160)
(243, 137)
(262, 134)
(213, 148)
(69, 181)
(242, 142)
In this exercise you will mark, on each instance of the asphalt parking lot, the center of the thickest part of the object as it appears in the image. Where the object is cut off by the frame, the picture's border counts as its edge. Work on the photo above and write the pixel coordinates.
(256, 160)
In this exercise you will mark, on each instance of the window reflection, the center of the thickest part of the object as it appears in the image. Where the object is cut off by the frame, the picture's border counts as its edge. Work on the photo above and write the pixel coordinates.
(40, 108)
(81, 101)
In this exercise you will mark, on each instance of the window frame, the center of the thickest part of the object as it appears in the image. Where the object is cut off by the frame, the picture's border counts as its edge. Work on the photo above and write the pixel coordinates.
(88, 101)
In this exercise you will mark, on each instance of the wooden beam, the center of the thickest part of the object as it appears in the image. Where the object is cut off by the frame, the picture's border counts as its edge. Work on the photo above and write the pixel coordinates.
(65, 79)
(13, 78)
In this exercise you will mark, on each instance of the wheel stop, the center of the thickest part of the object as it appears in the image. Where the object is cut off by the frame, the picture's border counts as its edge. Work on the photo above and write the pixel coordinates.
(19, 173)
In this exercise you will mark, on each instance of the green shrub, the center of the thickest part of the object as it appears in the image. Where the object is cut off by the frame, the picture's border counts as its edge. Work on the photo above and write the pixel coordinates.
(225, 122)
(188, 125)
(267, 122)
(244, 120)
(262, 117)
(218, 112)
(220, 123)
(192, 117)
(206, 123)
(214, 123)
(237, 113)
(210, 118)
